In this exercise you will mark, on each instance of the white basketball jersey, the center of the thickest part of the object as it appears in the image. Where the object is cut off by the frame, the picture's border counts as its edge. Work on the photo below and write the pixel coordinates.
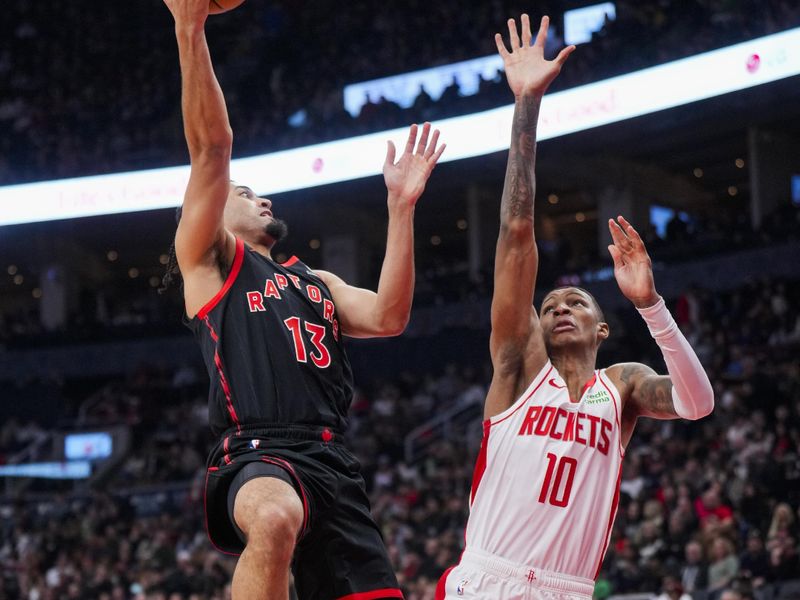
(546, 482)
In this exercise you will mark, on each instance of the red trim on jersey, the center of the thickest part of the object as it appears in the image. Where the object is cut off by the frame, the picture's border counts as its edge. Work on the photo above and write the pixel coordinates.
(588, 384)
(223, 380)
(441, 587)
(522, 402)
(279, 462)
(290, 262)
(374, 595)
(205, 514)
(235, 268)
(613, 514)
(616, 415)
(480, 464)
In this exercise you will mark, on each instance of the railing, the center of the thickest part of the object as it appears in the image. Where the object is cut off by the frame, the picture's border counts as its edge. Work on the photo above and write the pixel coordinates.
(30, 453)
(466, 415)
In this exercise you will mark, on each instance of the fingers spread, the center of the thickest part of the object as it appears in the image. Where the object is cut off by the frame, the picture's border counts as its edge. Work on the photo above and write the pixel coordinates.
(391, 152)
(423, 139)
(501, 47)
(564, 55)
(412, 137)
(526, 30)
(438, 153)
(513, 35)
(432, 146)
(541, 37)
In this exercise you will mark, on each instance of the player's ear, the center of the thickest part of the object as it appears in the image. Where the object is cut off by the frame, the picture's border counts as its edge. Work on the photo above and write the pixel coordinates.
(603, 331)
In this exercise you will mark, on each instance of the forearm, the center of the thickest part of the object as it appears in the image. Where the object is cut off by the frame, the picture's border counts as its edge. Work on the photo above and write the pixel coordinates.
(692, 393)
(396, 285)
(519, 188)
(205, 117)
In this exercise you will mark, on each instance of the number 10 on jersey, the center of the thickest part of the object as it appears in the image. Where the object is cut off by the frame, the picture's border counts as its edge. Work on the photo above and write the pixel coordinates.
(557, 472)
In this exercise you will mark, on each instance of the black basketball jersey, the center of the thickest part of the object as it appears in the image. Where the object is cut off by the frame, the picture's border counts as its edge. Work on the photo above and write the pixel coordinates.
(273, 348)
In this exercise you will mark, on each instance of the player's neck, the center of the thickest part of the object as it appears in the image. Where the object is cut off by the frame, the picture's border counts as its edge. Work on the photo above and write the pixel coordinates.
(262, 249)
(575, 368)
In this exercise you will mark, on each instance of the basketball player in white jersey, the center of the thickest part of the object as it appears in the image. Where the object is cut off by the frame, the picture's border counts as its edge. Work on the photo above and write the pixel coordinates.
(546, 483)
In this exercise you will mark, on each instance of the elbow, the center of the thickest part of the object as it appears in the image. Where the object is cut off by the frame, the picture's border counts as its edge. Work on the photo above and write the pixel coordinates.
(703, 411)
(392, 325)
(700, 405)
(213, 146)
(517, 228)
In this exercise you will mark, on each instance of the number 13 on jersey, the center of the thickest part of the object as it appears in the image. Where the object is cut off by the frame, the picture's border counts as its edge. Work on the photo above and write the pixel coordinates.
(557, 485)
(320, 356)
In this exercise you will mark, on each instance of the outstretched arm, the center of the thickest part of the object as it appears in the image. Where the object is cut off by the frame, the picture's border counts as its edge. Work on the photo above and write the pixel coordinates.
(364, 313)
(516, 258)
(209, 138)
(687, 391)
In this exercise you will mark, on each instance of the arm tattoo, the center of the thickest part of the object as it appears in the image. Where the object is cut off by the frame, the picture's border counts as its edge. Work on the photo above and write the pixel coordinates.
(651, 393)
(654, 396)
(519, 186)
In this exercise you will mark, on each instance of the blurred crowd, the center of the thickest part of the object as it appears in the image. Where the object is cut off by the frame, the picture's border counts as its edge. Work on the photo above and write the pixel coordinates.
(710, 509)
(123, 311)
(84, 91)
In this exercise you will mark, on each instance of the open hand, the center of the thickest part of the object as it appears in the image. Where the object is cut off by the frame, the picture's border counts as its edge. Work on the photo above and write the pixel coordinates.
(406, 178)
(633, 268)
(527, 71)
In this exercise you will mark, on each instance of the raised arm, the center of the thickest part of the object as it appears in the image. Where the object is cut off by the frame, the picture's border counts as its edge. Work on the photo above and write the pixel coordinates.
(201, 236)
(686, 392)
(516, 258)
(364, 313)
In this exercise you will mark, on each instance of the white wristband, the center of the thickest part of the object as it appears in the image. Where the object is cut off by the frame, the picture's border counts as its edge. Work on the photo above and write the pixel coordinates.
(659, 320)
(692, 394)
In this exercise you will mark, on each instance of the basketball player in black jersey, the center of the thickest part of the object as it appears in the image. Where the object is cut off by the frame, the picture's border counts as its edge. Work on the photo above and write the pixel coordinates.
(281, 489)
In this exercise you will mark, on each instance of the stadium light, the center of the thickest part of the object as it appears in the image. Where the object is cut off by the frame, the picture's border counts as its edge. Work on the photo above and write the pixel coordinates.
(741, 66)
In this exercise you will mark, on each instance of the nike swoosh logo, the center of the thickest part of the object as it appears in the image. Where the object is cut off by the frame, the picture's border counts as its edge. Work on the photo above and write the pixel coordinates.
(555, 385)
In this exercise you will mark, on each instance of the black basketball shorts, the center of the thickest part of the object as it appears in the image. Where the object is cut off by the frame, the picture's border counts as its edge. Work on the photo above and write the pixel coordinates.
(340, 554)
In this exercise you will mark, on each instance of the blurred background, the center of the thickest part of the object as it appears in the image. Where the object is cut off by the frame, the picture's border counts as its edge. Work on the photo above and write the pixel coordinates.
(103, 417)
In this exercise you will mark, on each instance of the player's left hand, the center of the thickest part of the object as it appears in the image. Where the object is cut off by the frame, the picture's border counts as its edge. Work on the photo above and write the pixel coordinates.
(527, 71)
(633, 268)
(406, 178)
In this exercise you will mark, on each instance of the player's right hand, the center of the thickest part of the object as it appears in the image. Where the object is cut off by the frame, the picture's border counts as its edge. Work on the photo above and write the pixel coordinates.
(527, 71)
(188, 12)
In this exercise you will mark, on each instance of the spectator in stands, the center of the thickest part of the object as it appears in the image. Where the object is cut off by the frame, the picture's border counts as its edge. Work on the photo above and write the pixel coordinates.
(724, 566)
(754, 562)
(782, 524)
(731, 594)
(715, 517)
(73, 547)
(694, 574)
(671, 589)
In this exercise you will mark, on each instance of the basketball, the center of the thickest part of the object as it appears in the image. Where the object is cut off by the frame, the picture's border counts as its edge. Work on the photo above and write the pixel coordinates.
(216, 7)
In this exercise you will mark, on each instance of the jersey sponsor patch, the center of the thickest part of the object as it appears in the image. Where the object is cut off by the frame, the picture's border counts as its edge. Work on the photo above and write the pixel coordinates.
(598, 397)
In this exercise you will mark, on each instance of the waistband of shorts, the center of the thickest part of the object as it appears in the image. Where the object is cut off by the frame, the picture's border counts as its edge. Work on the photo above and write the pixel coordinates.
(533, 575)
(284, 432)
